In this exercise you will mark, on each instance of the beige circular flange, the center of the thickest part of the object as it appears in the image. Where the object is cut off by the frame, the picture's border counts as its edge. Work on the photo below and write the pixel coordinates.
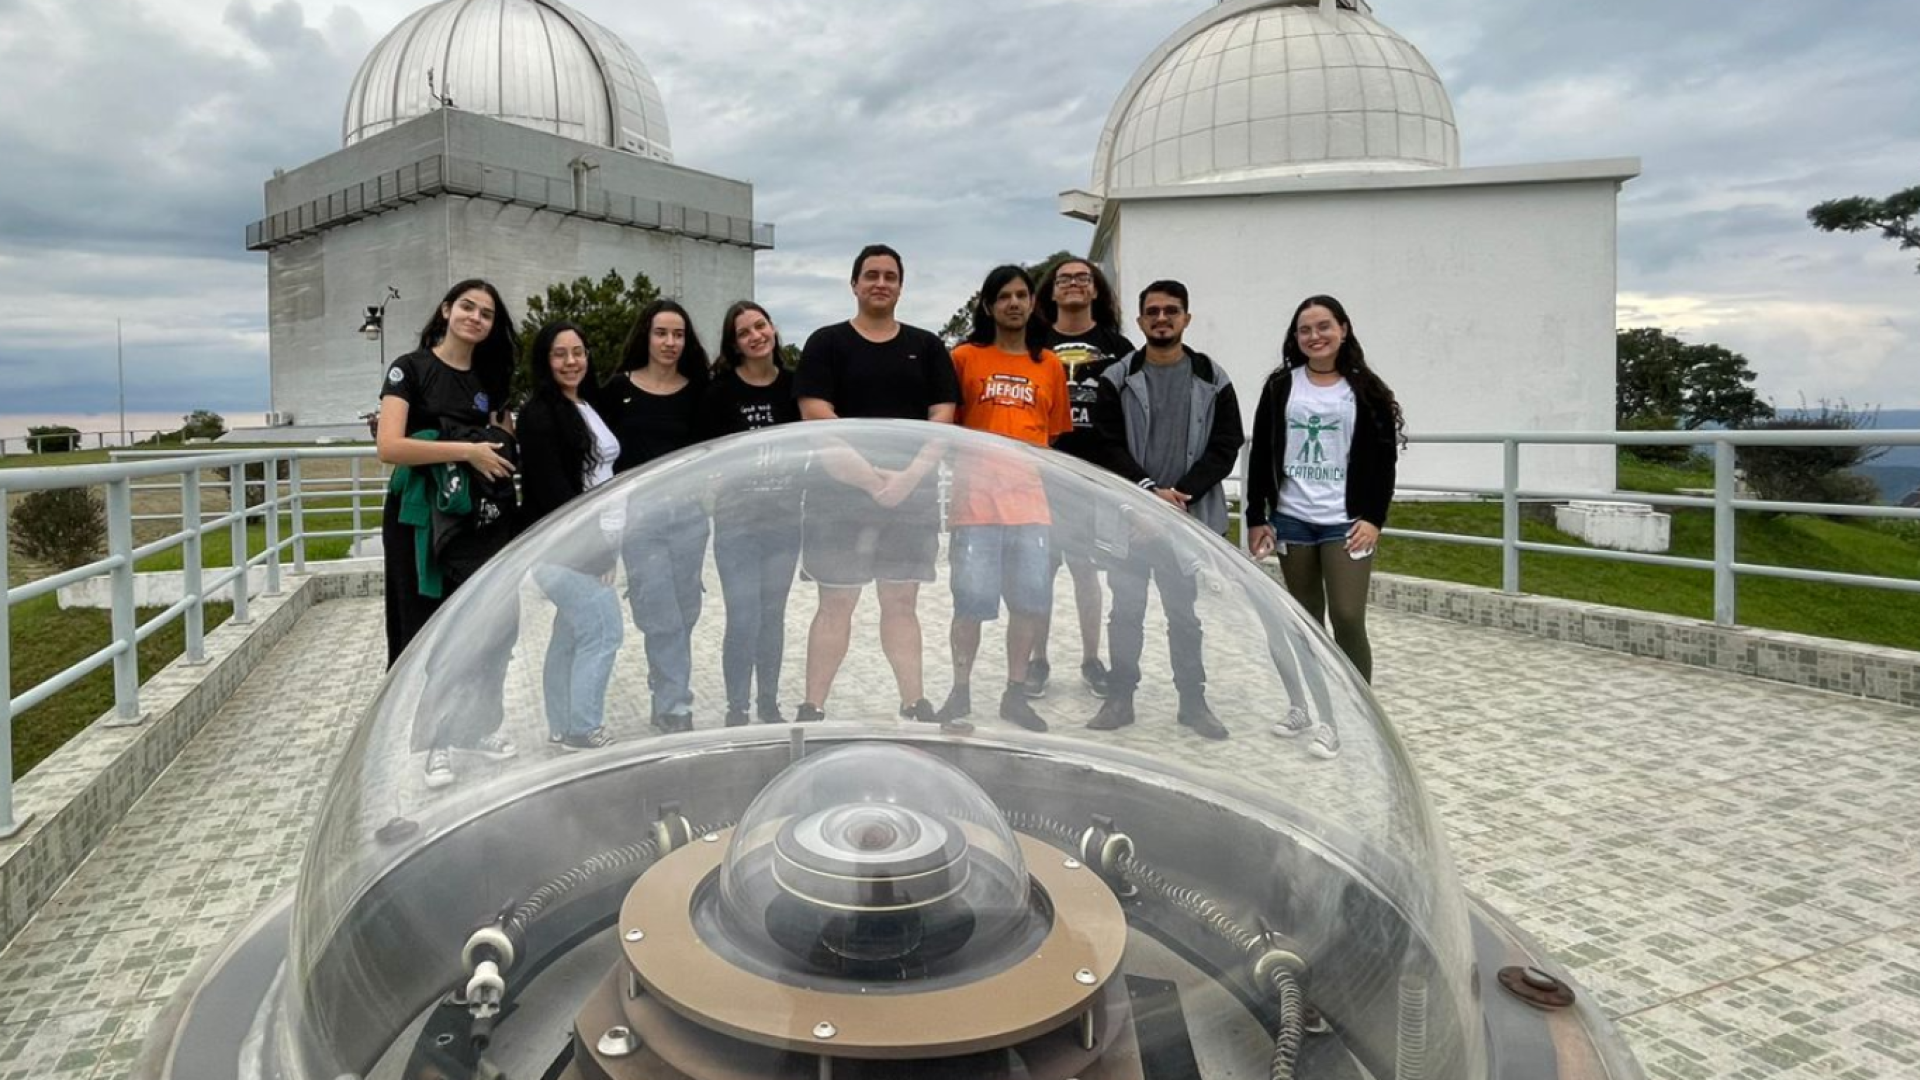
(1037, 994)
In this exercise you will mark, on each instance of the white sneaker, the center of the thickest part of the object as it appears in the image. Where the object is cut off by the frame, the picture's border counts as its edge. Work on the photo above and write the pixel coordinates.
(1296, 722)
(493, 747)
(439, 768)
(1323, 741)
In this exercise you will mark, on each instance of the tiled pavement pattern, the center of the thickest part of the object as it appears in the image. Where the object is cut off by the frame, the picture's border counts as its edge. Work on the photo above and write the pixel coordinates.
(1732, 867)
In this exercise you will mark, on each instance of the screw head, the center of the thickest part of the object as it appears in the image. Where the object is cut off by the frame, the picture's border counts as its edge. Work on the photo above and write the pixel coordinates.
(636, 935)
(617, 1042)
(825, 1030)
(711, 838)
(1072, 864)
(1540, 980)
(1085, 977)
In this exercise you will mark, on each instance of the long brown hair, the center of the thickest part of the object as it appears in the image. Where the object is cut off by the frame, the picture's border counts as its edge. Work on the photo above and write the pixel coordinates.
(1368, 387)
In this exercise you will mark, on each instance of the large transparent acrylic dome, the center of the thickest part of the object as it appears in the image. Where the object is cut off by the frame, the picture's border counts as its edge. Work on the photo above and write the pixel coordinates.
(1335, 861)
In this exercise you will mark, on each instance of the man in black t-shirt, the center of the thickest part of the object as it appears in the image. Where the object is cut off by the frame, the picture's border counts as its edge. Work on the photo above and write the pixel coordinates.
(873, 520)
(1080, 322)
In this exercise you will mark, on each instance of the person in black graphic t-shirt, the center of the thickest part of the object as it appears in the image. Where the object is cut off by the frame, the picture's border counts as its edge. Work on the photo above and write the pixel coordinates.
(756, 525)
(1078, 318)
(454, 385)
(873, 520)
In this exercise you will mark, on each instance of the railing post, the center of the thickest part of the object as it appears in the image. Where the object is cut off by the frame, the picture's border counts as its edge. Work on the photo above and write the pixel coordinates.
(9, 825)
(1510, 518)
(126, 666)
(190, 568)
(295, 520)
(237, 538)
(1725, 587)
(270, 488)
(356, 547)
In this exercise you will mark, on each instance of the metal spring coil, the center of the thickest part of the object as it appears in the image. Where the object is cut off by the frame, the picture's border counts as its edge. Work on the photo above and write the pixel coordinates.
(632, 856)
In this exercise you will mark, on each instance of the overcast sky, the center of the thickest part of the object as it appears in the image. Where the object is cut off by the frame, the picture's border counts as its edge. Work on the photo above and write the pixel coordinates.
(136, 134)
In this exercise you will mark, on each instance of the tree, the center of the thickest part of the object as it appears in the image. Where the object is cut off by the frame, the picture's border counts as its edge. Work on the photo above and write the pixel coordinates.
(53, 439)
(960, 323)
(202, 424)
(605, 309)
(1662, 382)
(65, 527)
(1893, 216)
(1816, 474)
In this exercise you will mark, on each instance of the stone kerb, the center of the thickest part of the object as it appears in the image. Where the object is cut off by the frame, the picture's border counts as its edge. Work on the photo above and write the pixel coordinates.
(85, 788)
(1865, 671)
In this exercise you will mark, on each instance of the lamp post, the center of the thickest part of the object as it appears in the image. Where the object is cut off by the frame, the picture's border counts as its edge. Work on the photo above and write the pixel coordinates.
(373, 328)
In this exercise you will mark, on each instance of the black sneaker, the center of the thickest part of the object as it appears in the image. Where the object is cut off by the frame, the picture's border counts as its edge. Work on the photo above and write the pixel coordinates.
(672, 723)
(769, 713)
(1038, 672)
(1115, 713)
(1094, 674)
(809, 713)
(1015, 709)
(736, 717)
(959, 703)
(922, 712)
(597, 739)
(1197, 716)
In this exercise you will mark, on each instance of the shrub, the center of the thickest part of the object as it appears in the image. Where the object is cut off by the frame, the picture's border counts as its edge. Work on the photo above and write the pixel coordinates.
(1813, 474)
(256, 487)
(53, 439)
(1656, 455)
(66, 527)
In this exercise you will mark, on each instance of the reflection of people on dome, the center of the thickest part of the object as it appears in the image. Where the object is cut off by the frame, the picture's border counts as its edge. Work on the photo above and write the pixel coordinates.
(1000, 520)
(1320, 479)
(1077, 317)
(756, 524)
(653, 406)
(1170, 423)
(567, 449)
(450, 503)
(873, 520)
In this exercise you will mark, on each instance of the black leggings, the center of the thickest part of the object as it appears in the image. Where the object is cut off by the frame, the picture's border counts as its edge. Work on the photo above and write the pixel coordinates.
(1333, 587)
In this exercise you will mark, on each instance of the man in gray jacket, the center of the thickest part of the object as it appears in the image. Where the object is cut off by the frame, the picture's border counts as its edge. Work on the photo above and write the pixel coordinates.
(1168, 420)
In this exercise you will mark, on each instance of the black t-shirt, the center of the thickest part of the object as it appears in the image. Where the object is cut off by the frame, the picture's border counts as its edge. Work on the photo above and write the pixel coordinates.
(734, 405)
(1085, 356)
(901, 379)
(438, 397)
(649, 425)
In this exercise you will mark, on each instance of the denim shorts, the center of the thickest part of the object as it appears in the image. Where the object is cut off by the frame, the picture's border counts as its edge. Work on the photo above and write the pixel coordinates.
(1290, 530)
(991, 561)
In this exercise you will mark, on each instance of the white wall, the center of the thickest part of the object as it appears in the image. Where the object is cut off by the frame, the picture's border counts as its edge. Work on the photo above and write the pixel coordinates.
(1486, 308)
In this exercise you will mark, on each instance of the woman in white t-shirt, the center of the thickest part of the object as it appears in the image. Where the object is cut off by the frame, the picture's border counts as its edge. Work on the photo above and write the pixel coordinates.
(1326, 438)
(567, 449)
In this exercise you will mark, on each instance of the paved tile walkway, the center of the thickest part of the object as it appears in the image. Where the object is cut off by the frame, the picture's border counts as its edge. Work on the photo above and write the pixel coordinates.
(1732, 866)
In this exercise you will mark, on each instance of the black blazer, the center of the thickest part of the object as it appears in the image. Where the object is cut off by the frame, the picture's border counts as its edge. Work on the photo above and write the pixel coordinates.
(1371, 465)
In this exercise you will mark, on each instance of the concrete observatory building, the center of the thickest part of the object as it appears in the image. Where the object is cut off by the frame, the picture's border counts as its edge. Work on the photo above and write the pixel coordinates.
(514, 140)
(1275, 149)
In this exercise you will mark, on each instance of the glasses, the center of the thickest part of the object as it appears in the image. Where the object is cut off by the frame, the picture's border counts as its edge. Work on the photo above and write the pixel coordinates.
(1074, 279)
(1163, 312)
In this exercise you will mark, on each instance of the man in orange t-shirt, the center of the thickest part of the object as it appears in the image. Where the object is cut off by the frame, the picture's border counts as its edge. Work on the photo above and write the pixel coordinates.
(1000, 542)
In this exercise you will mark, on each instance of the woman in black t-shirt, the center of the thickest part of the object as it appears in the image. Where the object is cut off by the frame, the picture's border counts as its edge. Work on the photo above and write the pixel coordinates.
(455, 385)
(756, 533)
(653, 406)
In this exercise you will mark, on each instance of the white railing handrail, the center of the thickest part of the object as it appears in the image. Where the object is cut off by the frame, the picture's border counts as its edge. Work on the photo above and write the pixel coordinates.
(1859, 437)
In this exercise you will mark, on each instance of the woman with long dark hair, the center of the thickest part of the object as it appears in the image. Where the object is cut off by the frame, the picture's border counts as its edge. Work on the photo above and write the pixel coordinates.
(1326, 440)
(567, 449)
(756, 525)
(653, 406)
(444, 404)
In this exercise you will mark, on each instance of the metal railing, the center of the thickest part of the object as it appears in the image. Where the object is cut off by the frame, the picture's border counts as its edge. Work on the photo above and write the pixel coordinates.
(256, 492)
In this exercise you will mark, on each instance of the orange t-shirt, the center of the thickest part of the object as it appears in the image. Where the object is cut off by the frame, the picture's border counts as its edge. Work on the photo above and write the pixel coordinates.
(1013, 395)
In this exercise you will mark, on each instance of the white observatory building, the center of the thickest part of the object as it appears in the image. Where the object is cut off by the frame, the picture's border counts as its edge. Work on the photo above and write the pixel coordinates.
(514, 140)
(1275, 149)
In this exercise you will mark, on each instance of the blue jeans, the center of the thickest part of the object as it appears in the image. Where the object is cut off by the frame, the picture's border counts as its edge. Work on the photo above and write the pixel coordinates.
(1154, 559)
(1292, 530)
(664, 548)
(586, 635)
(991, 561)
(756, 545)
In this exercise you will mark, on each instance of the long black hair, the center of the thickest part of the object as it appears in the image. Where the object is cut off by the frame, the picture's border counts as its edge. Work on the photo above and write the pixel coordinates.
(693, 364)
(1369, 388)
(1105, 311)
(493, 358)
(573, 443)
(731, 357)
(985, 331)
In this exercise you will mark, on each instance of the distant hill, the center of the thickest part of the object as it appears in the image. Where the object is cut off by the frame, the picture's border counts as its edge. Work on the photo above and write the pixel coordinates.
(1895, 481)
(1900, 420)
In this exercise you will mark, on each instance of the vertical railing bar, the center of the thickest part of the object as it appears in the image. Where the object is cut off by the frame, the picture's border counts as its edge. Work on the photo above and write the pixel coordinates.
(356, 504)
(270, 492)
(190, 565)
(126, 666)
(1726, 607)
(296, 520)
(10, 826)
(1510, 518)
(237, 538)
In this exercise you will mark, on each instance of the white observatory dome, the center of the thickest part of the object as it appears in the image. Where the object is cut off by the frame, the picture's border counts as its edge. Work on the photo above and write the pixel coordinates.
(536, 63)
(1258, 88)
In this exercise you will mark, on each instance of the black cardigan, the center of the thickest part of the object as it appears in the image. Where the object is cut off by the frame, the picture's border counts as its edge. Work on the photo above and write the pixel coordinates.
(1371, 463)
(548, 482)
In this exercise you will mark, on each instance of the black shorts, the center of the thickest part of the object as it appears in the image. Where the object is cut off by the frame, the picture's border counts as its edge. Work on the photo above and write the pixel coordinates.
(848, 541)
